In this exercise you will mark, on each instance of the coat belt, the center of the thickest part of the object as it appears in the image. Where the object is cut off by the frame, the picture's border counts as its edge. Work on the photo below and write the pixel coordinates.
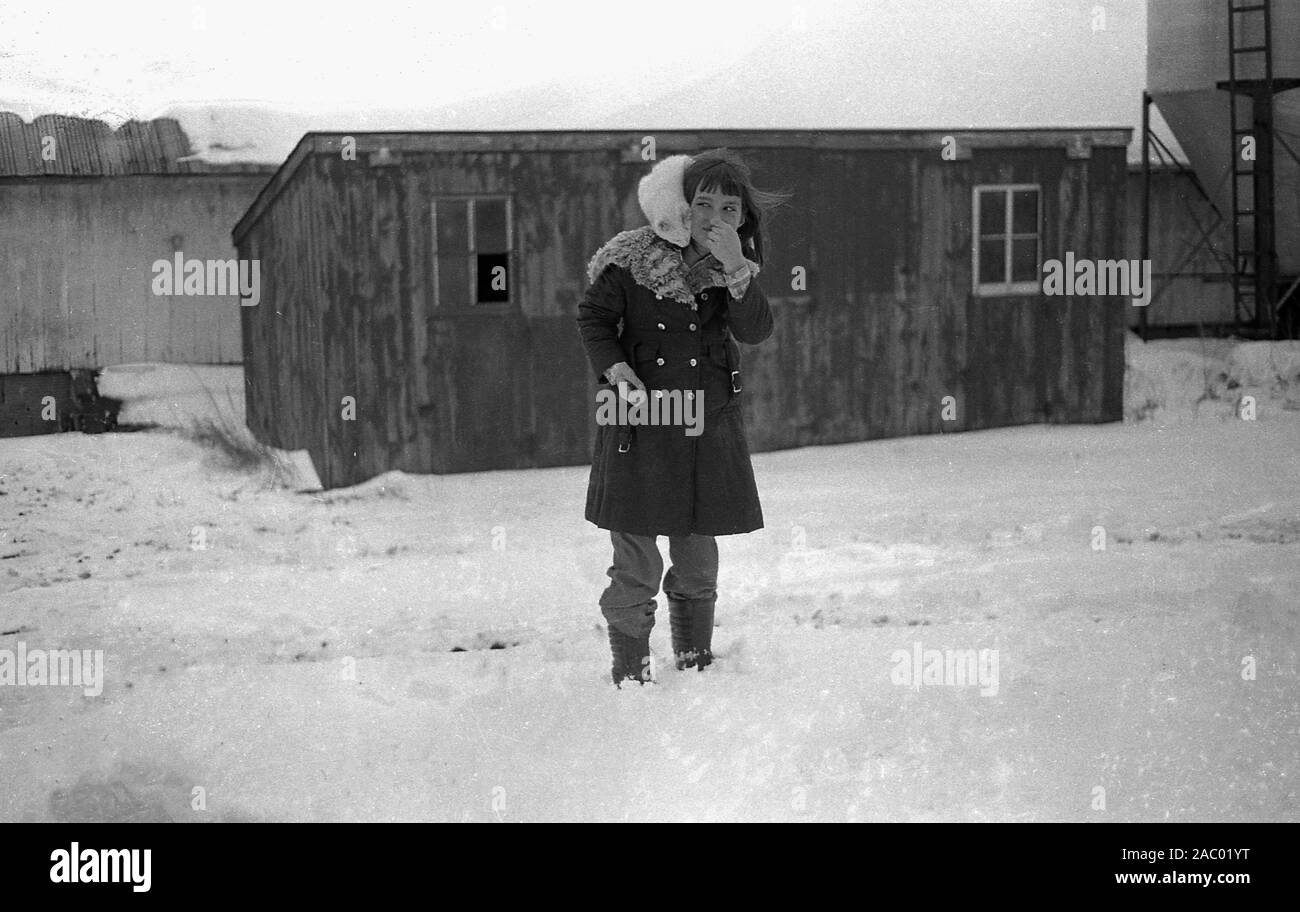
(625, 431)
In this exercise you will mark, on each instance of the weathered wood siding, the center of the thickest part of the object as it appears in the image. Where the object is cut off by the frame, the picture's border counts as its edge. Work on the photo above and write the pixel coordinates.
(347, 311)
(886, 328)
(889, 325)
(76, 269)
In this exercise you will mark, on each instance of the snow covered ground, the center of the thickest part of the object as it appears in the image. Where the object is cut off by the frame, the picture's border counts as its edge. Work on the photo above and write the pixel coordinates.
(429, 647)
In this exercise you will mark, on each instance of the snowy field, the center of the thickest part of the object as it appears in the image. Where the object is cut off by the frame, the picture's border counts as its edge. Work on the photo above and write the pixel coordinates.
(429, 647)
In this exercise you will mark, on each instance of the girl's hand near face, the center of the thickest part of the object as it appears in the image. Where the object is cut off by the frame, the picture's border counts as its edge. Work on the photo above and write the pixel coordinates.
(724, 243)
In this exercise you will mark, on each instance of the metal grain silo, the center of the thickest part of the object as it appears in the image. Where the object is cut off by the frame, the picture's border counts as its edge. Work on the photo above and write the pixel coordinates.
(1189, 65)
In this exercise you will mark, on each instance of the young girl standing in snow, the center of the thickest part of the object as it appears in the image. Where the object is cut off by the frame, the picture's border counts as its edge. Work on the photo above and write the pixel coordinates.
(682, 288)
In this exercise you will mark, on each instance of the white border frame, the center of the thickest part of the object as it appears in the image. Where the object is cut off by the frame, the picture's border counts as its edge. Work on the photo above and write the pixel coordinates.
(1002, 289)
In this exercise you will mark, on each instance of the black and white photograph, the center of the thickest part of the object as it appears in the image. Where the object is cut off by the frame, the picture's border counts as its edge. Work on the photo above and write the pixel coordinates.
(732, 412)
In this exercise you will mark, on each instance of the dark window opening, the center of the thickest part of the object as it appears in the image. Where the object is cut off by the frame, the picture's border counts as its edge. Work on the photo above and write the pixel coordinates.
(472, 252)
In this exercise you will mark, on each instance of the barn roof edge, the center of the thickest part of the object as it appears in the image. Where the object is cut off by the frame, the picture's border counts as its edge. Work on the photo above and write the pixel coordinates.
(673, 140)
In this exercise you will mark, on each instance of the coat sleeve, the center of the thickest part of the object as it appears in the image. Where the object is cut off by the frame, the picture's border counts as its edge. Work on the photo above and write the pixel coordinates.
(750, 317)
(599, 311)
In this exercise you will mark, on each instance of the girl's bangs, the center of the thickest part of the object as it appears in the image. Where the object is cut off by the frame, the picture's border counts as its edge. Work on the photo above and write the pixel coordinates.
(722, 180)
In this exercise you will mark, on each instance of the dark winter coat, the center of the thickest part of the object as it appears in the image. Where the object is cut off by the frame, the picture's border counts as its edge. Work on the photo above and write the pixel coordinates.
(678, 332)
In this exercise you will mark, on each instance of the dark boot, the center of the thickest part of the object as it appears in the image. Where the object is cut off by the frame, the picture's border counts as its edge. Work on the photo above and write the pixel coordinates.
(679, 619)
(692, 626)
(629, 641)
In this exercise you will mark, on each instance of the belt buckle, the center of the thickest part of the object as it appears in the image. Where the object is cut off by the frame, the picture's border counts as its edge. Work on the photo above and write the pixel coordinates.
(734, 387)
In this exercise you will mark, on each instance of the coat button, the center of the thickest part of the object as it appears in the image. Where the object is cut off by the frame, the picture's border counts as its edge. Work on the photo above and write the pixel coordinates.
(659, 361)
(661, 326)
(693, 362)
(692, 327)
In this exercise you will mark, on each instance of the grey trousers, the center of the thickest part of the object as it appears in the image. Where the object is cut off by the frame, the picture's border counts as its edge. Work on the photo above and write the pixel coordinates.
(628, 600)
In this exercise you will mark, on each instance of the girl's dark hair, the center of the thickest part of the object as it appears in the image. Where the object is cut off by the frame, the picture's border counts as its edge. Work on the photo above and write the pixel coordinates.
(723, 171)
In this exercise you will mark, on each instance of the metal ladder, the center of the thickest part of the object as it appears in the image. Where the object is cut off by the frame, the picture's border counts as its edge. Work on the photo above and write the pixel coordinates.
(1254, 235)
(1245, 272)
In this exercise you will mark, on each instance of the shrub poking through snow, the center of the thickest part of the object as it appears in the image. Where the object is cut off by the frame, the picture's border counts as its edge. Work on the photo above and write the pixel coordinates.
(204, 403)
(234, 444)
(236, 448)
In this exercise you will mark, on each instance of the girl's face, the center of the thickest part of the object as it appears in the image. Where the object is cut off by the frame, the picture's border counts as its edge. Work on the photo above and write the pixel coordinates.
(710, 208)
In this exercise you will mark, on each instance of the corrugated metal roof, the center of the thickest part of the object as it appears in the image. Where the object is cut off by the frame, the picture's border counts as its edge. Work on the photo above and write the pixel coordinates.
(89, 148)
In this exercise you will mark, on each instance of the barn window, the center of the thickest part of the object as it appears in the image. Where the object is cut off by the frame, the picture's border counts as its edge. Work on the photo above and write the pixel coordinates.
(472, 244)
(1007, 243)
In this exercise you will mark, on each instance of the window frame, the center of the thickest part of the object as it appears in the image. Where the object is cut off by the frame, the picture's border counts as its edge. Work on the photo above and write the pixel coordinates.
(438, 307)
(1007, 288)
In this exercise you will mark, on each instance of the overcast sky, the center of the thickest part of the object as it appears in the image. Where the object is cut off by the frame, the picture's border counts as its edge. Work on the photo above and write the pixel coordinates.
(872, 63)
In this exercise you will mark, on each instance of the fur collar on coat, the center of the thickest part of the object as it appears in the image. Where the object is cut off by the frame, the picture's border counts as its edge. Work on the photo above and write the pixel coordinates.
(653, 253)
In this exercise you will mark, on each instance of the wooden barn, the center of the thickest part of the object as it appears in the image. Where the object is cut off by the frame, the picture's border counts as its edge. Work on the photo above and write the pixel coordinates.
(380, 342)
(85, 211)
